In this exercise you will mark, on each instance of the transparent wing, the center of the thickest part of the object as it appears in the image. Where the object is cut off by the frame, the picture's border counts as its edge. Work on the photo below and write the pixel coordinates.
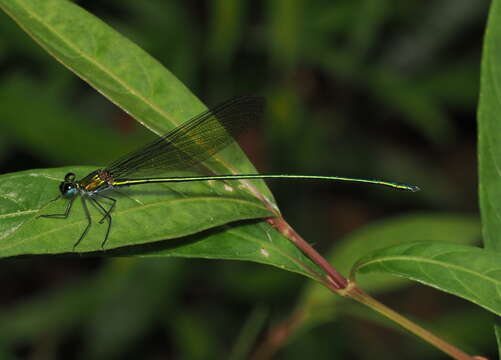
(192, 142)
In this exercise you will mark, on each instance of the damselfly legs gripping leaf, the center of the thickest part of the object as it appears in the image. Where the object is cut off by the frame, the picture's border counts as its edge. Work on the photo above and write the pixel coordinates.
(183, 148)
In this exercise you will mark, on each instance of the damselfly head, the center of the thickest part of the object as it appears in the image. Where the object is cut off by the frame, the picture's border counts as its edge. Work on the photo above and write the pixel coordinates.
(68, 187)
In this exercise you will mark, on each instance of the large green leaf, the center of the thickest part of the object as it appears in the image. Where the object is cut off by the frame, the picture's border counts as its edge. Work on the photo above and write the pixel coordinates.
(158, 212)
(116, 67)
(489, 130)
(137, 83)
(469, 272)
(461, 229)
(151, 213)
(497, 331)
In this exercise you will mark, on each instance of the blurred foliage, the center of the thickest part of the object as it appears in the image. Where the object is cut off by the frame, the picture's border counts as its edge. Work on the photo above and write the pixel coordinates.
(366, 88)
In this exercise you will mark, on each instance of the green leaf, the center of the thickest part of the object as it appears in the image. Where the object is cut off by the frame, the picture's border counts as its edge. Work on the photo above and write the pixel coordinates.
(118, 69)
(461, 229)
(468, 272)
(497, 331)
(152, 213)
(489, 128)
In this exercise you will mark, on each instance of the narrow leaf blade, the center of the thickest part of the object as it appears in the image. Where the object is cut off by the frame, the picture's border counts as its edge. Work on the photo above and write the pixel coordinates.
(468, 272)
(144, 217)
(489, 128)
(150, 214)
(118, 69)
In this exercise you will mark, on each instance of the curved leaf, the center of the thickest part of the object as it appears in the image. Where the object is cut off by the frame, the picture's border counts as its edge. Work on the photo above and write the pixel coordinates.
(461, 229)
(497, 331)
(146, 215)
(150, 213)
(137, 83)
(489, 128)
(118, 69)
(469, 272)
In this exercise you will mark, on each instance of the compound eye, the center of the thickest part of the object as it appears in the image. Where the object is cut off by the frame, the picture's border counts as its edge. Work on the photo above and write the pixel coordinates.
(68, 189)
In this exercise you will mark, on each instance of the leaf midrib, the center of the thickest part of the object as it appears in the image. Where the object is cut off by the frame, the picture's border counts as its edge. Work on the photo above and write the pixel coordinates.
(434, 262)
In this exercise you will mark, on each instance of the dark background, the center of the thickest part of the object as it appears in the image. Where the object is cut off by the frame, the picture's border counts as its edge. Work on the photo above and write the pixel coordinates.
(368, 88)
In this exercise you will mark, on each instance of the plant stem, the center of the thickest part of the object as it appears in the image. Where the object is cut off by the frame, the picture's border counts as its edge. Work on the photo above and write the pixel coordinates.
(357, 294)
(334, 281)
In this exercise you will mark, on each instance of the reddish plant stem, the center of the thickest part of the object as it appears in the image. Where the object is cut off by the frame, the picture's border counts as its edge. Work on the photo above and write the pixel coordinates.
(335, 282)
(338, 284)
(333, 278)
